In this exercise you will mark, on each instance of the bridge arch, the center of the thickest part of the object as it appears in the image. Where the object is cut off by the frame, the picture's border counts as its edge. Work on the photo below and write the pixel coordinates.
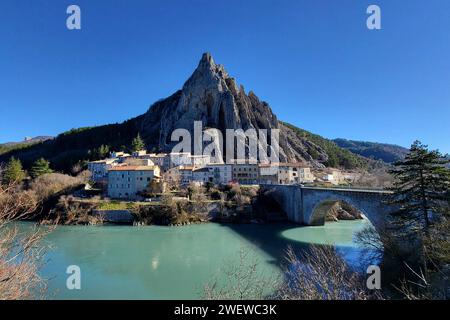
(318, 201)
(309, 205)
(322, 209)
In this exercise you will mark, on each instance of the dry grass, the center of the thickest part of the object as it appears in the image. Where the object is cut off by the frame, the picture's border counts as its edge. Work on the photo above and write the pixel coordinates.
(52, 183)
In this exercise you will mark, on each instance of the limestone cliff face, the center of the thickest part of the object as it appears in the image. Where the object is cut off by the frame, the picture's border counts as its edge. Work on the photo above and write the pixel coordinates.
(212, 96)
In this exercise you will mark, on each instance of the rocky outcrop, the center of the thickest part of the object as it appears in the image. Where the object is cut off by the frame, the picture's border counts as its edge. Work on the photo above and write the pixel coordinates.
(212, 96)
(343, 211)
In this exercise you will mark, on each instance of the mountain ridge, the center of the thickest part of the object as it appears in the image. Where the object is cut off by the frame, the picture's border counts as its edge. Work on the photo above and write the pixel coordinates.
(386, 152)
(209, 95)
(27, 140)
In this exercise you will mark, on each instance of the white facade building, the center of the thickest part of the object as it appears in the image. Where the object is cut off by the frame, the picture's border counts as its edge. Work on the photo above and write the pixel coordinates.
(333, 176)
(126, 182)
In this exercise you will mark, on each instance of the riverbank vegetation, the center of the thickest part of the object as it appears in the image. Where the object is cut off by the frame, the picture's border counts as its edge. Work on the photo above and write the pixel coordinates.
(416, 240)
(20, 253)
(317, 273)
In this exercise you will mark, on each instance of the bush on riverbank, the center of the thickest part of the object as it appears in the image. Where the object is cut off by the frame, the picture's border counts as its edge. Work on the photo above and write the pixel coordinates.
(169, 212)
(69, 211)
(53, 183)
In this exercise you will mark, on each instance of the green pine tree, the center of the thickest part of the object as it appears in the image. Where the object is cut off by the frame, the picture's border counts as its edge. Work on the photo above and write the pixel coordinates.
(137, 143)
(421, 189)
(13, 172)
(40, 167)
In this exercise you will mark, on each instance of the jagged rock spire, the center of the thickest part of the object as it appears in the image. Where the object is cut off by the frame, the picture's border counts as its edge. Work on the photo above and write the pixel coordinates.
(207, 61)
(211, 96)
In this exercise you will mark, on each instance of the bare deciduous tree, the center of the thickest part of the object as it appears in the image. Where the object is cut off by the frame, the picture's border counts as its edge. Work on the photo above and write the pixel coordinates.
(19, 252)
(321, 274)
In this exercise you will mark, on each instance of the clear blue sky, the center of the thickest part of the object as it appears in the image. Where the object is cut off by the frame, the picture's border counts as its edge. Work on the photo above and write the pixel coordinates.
(315, 62)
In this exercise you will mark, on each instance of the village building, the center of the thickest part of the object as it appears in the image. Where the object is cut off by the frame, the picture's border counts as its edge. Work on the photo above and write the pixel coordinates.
(285, 173)
(179, 159)
(127, 182)
(179, 175)
(246, 173)
(200, 160)
(99, 169)
(202, 175)
(159, 159)
(222, 173)
(332, 176)
(132, 161)
(139, 153)
(119, 154)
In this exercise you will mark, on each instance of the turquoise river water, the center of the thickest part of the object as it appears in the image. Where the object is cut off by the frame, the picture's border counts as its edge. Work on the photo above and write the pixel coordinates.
(125, 262)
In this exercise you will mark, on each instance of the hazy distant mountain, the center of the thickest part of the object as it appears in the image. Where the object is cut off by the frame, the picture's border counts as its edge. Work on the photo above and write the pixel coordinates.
(28, 140)
(379, 151)
(210, 95)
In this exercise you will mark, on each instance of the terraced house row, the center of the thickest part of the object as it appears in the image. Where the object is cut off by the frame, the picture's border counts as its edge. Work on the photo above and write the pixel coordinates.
(127, 175)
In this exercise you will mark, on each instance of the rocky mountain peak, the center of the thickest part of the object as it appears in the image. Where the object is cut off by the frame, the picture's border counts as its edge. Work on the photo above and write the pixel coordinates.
(207, 61)
(211, 96)
(208, 74)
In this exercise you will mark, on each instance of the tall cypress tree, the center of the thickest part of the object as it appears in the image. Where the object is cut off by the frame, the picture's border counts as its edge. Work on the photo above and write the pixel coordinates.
(40, 167)
(421, 188)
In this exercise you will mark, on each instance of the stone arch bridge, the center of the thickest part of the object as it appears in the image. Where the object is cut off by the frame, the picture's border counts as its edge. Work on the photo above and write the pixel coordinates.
(309, 205)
